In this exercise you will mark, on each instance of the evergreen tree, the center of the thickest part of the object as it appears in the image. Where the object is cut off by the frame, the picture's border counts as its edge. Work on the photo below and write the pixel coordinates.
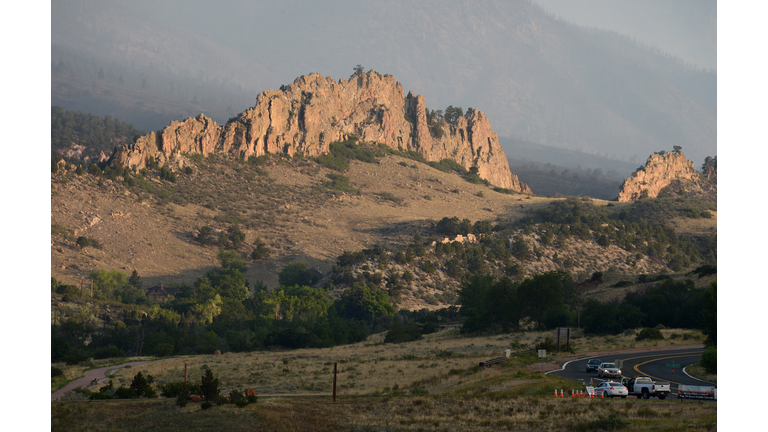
(209, 385)
(135, 280)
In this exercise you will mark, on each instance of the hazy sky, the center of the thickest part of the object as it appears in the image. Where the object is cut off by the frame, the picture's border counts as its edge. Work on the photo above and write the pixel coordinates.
(685, 28)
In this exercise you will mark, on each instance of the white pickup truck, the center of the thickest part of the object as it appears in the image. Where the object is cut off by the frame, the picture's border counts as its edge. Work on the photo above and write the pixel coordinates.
(646, 388)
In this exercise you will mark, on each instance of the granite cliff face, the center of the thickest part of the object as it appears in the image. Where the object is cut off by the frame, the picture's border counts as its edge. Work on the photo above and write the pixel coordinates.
(314, 111)
(660, 171)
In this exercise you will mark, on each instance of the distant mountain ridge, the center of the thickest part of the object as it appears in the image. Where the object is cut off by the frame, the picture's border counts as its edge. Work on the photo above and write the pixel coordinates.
(307, 116)
(537, 78)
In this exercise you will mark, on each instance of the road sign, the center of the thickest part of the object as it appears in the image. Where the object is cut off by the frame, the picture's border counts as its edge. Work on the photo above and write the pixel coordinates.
(674, 365)
(542, 353)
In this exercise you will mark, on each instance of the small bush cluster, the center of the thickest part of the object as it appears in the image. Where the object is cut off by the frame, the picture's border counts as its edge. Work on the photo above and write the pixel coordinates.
(85, 242)
(649, 334)
(141, 386)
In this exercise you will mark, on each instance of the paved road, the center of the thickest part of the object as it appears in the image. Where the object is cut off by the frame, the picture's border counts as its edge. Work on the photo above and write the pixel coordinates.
(652, 364)
(99, 375)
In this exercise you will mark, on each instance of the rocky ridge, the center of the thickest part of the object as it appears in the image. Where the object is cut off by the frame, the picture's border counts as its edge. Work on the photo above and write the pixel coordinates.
(307, 116)
(660, 171)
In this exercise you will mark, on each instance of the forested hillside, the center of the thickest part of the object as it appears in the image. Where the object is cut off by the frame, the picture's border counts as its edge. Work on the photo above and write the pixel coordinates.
(79, 137)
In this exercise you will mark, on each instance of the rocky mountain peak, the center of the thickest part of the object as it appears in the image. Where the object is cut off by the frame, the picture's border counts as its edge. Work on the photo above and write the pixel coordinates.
(660, 170)
(314, 111)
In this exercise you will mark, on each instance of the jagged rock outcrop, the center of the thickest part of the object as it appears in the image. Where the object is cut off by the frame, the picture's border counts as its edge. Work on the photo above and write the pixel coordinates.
(306, 116)
(660, 171)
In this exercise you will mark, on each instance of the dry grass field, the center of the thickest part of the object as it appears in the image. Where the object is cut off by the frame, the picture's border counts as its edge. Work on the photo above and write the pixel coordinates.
(391, 413)
(440, 362)
(429, 385)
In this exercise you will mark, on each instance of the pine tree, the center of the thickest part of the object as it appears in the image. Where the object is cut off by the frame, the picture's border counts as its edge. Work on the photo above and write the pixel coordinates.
(209, 386)
(135, 280)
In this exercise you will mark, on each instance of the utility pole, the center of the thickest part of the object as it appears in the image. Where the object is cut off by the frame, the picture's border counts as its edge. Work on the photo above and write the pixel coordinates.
(334, 382)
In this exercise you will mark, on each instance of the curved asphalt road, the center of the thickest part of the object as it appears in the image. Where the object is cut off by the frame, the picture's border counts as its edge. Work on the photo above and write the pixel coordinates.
(652, 364)
(99, 375)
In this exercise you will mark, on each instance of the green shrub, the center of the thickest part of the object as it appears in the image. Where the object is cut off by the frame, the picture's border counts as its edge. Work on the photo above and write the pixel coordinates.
(649, 333)
(164, 349)
(75, 358)
(85, 242)
(205, 405)
(142, 385)
(94, 170)
(100, 396)
(428, 267)
(167, 174)
(109, 352)
(504, 191)
(258, 160)
(448, 165)
(390, 197)
(400, 333)
(340, 183)
(125, 393)
(70, 290)
(709, 360)
(178, 389)
(333, 162)
(609, 423)
(408, 276)
(261, 250)
(56, 372)
(209, 385)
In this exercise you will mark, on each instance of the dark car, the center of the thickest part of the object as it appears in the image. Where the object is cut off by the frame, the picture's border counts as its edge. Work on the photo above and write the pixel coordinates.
(593, 364)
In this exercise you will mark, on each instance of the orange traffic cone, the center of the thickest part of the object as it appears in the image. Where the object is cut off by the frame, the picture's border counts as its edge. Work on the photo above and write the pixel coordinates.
(555, 392)
(572, 393)
(561, 393)
(602, 395)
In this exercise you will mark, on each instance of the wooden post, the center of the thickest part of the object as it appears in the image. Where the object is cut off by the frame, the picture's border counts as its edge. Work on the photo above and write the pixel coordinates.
(558, 339)
(185, 371)
(334, 382)
(91, 288)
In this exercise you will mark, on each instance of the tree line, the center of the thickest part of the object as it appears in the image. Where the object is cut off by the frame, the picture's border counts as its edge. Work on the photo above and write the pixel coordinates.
(94, 132)
(219, 312)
